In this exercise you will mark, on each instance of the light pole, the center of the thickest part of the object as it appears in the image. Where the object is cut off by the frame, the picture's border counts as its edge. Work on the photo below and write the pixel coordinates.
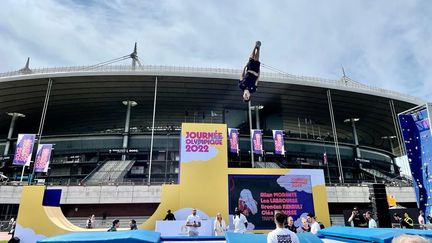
(129, 104)
(390, 138)
(255, 108)
(15, 116)
(356, 142)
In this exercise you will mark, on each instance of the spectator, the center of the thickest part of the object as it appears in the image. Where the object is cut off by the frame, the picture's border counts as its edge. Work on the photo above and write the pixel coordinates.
(304, 227)
(407, 222)
(398, 219)
(169, 216)
(421, 220)
(219, 225)
(133, 224)
(93, 221)
(193, 222)
(314, 226)
(280, 234)
(89, 223)
(240, 222)
(371, 221)
(115, 225)
(290, 224)
(356, 219)
(409, 239)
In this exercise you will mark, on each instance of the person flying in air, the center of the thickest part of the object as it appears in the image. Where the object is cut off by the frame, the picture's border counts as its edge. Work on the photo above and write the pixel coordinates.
(249, 79)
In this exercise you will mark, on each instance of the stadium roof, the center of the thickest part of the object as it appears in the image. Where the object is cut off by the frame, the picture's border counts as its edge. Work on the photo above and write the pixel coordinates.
(83, 98)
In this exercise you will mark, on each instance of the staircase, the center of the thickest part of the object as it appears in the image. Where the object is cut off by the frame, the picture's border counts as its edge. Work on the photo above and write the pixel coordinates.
(110, 171)
(272, 165)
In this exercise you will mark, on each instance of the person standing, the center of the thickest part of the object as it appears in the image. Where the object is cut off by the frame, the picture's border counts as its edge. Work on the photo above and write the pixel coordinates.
(240, 222)
(169, 215)
(219, 225)
(115, 225)
(314, 225)
(290, 224)
(193, 222)
(407, 222)
(421, 220)
(93, 221)
(280, 234)
(356, 219)
(304, 228)
(371, 221)
(133, 224)
(398, 219)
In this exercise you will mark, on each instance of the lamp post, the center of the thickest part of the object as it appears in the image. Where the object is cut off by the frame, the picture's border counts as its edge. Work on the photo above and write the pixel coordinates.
(255, 108)
(129, 104)
(390, 138)
(15, 116)
(356, 143)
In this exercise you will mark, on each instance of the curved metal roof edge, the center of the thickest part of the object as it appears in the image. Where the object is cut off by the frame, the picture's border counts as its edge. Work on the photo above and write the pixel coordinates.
(344, 84)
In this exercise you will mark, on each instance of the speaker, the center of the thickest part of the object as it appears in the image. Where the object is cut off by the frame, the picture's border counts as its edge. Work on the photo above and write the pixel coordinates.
(14, 240)
(378, 198)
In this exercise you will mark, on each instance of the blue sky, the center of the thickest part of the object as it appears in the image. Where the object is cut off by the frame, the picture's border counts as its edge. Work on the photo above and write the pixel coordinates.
(383, 43)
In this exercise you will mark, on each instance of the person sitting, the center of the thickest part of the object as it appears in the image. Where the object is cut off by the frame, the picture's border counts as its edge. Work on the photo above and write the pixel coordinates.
(115, 225)
(280, 234)
(249, 78)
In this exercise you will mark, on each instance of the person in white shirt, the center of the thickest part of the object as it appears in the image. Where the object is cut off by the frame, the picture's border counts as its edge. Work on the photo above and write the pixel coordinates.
(314, 226)
(371, 221)
(219, 225)
(240, 222)
(421, 220)
(280, 234)
(193, 222)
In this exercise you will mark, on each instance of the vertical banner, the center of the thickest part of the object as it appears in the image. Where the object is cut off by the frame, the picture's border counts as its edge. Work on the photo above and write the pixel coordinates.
(416, 132)
(257, 141)
(233, 139)
(43, 156)
(279, 142)
(24, 148)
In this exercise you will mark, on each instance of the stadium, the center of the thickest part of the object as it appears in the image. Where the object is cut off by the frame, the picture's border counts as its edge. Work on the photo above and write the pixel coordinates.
(100, 120)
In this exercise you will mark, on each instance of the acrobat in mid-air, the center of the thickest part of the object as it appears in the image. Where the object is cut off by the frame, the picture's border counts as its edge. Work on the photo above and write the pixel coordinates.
(250, 75)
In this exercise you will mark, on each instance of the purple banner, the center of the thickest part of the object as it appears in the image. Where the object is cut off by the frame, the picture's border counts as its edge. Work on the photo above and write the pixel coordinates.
(233, 139)
(43, 156)
(257, 141)
(24, 148)
(279, 142)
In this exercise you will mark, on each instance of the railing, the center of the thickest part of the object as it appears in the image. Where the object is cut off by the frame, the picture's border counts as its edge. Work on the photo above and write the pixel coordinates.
(233, 73)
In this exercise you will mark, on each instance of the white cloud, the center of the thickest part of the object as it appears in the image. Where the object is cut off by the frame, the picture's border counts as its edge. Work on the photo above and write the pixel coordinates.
(381, 43)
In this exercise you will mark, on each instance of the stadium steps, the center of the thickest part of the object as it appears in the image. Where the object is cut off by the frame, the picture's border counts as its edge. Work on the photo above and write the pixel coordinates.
(100, 223)
(110, 171)
(272, 165)
(377, 174)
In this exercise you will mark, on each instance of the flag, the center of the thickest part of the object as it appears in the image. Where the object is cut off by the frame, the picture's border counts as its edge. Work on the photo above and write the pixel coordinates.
(43, 156)
(24, 149)
(233, 140)
(279, 142)
(257, 141)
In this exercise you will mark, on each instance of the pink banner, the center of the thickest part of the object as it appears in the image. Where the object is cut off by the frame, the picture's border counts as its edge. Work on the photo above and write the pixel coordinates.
(233, 139)
(43, 156)
(257, 141)
(279, 142)
(24, 149)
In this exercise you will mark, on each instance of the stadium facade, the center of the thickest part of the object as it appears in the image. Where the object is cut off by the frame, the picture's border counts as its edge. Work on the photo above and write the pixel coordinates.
(100, 121)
